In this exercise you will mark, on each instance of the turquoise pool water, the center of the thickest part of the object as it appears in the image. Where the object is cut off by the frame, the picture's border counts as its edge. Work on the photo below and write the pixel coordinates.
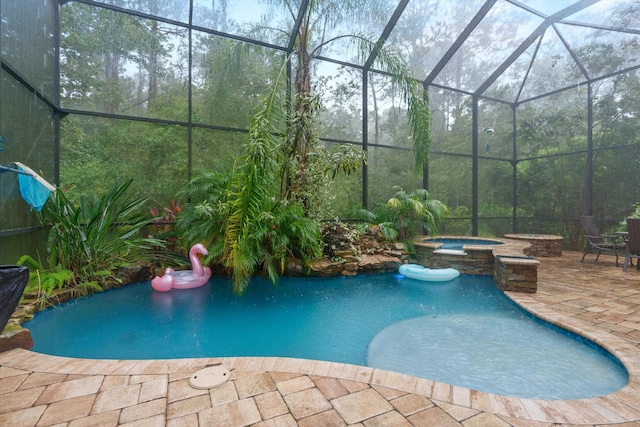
(464, 332)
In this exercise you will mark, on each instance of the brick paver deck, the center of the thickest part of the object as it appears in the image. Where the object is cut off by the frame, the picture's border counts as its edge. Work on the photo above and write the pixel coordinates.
(595, 299)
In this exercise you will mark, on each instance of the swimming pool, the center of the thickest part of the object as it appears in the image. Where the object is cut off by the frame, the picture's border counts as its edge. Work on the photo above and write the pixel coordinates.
(464, 332)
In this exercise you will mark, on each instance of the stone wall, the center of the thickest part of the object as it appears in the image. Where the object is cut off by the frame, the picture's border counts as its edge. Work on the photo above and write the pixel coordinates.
(350, 263)
(518, 274)
(472, 261)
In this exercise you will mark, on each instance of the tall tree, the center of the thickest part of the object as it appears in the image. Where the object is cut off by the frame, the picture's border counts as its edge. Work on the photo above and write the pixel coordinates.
(319, 17)
(302, 160)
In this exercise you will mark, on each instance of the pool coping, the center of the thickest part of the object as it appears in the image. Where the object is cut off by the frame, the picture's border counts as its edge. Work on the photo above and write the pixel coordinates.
(618, 407)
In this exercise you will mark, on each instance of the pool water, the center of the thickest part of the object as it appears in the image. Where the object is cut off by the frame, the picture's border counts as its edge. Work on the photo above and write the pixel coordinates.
(463, 332)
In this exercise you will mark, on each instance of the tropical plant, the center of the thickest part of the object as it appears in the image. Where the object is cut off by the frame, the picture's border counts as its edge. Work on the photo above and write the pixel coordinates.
(263, 223)
(260, 228)
(202, 219)
(404, 215)
(163, 223)
(96, 235)
(240, 219)
(43, 283)
(338, 236)
(297, 173)
(167, 213)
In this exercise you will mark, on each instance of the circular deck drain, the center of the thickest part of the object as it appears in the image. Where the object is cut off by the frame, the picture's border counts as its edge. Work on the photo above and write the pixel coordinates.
(209, 377)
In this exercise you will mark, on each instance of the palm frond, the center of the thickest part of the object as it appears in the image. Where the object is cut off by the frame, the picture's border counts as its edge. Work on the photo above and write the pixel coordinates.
(251, 194)
(389, 61)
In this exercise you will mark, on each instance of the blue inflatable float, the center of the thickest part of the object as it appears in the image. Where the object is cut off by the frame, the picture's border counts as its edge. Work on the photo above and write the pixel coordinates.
(418, 272)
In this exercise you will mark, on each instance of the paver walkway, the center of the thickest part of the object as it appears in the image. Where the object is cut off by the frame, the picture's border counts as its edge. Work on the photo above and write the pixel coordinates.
(597, 299)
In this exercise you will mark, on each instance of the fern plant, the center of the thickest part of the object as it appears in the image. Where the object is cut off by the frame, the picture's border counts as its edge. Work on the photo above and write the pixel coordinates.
(43, 283)
(204, 212)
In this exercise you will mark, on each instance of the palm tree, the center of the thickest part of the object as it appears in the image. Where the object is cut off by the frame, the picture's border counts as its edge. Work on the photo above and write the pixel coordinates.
(261, 230)
(318, 16)
(406, 215)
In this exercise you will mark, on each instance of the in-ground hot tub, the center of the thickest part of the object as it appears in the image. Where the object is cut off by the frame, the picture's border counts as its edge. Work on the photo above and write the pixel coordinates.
(542, 245)
(507, 260)
(463, 245)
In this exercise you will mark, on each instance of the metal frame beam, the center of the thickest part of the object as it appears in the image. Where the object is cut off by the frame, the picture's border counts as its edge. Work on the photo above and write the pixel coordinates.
(538, 32)
(385, 33)
(459, 41)
(365, 93)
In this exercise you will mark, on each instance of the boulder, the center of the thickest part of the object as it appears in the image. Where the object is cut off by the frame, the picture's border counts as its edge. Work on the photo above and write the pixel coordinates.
(325, 268)
(378, 262)
(15, 338)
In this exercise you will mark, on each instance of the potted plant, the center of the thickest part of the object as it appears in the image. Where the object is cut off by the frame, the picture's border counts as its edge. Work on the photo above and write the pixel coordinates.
(13, 279)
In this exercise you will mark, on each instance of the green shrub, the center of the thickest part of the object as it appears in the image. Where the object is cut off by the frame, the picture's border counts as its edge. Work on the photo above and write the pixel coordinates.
(98, 234)
(406, 215)
(44, 283)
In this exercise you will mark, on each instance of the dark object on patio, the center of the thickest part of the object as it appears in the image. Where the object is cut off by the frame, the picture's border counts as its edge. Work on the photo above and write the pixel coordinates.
(13, 280)
(633, 242)
(599, 243)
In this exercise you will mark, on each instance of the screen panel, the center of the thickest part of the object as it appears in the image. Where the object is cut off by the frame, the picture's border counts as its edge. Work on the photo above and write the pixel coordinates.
(116, 63)
(96, 153)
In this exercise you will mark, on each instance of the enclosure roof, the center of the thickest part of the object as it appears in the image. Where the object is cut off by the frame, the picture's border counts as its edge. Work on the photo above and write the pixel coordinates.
(509, 50)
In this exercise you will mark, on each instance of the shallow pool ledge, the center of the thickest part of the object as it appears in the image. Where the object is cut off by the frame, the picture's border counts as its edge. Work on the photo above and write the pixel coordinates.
(508, 262)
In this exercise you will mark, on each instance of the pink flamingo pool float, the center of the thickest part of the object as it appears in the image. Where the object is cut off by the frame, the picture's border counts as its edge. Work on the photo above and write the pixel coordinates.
(185, 279)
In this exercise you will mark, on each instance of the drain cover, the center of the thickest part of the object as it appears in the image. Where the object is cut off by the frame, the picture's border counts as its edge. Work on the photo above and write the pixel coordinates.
(211, 376)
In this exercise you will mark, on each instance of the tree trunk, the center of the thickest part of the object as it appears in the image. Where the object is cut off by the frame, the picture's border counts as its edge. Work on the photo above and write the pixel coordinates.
(112, 63)
(301, 131)
(153, 65)
(303, 90)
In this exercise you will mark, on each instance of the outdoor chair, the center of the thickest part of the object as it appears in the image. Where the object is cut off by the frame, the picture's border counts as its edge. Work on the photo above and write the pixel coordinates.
(599, 243)
(633, 242)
